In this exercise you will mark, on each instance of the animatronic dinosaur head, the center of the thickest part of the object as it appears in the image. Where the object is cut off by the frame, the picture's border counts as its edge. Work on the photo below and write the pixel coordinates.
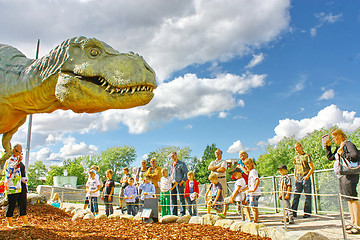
(94, 77)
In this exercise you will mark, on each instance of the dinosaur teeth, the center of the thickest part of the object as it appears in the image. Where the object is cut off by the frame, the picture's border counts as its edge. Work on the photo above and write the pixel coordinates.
(133, 89)
(112, 91)
(122, 90)
(103, 84)
(108, 87)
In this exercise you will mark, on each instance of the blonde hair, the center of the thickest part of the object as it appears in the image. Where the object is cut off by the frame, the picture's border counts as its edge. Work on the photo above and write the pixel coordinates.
(126, 169)
(55, 197)
(191, 173)
(96, 168)
(247, 161)
(109, 171)
(246, 154)
(213, 176)
(337, 132)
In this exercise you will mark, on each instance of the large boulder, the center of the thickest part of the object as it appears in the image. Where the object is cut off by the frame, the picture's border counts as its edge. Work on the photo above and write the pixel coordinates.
(127, 217)
(196, 220)
(79, 215)
(184, 219)
(168, 219)
(209, 219)
(303, 235)
(115, 216)
(34, 198)
(137, 217)
(237, 225)
(224, 223)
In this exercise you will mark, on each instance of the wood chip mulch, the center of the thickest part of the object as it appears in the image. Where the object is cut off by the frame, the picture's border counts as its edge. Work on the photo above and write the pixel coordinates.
(53, 223)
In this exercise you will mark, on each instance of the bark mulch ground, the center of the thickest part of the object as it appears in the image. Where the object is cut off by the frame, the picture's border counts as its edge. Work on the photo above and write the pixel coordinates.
(53, 223)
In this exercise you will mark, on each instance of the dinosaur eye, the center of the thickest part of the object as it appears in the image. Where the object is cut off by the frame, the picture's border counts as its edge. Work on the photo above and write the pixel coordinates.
(94, 52)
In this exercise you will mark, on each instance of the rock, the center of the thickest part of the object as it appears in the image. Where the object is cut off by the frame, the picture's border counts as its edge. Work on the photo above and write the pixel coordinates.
(78, 216)
(127, 217)
(224, 223)
(101, 216)
(196, 220)
(184, 219)
(168, 219)
(34, 198)
(3, 202)
(237, 225)
(252, 228)
(67, 210)
(71, 207)
(303, 235)
(137, 217)
(89, 216)
(209, 219)
(114, 216)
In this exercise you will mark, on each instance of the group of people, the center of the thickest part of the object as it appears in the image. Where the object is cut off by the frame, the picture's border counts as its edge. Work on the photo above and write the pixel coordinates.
(176, 182)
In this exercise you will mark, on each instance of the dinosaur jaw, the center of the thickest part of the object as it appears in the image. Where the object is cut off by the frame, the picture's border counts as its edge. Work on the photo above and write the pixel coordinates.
(95, 94)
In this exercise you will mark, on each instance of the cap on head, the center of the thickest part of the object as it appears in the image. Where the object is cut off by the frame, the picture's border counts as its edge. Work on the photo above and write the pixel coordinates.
(235, 170)
(282, 166)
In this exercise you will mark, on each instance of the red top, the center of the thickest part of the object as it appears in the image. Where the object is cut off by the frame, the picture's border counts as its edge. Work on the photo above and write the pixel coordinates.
(187, 188)
(2, 189)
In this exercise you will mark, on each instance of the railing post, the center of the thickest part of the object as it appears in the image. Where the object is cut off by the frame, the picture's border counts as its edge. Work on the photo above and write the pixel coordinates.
(315, 202)
(342, 217)
(275, 195)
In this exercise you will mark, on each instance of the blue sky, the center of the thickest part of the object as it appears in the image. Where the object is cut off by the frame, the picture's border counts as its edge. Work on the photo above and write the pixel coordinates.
(240, 74)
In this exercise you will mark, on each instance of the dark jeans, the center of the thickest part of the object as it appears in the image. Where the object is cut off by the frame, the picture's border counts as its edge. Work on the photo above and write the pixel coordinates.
(94, 205)
(131, 208)
(191, 207)
(20, 199)
(178, 190)
(108, 206)
(301, 185)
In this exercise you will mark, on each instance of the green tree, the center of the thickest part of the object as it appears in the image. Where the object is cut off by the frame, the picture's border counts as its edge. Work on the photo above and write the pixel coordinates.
(201, 171)
(54, 171)
(162, 155)
(36, 170)
(116, 158)
(74, 167)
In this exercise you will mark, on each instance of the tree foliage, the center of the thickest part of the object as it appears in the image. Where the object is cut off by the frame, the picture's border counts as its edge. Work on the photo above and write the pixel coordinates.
(201, 170)
(54, 171)
(162, 155)
(36, 170)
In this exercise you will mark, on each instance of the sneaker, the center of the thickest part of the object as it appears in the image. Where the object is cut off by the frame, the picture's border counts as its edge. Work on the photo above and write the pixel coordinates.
(221, 215)
(12, 227)
(306, 216)
(27, 225)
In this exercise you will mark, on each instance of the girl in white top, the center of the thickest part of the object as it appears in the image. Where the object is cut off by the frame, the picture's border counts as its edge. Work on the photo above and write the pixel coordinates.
(253, 191)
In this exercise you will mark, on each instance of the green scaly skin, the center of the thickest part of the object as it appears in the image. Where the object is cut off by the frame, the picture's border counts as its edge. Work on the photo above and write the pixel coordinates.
(81, 74)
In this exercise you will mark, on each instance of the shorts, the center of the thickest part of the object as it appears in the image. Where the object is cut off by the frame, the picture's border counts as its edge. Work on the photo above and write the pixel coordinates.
(253, 201)
(227, 201)
(218, 206)
(87, 200)
(121, 194)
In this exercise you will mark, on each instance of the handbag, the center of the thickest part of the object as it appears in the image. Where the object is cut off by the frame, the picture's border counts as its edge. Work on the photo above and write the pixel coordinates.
(349, 168)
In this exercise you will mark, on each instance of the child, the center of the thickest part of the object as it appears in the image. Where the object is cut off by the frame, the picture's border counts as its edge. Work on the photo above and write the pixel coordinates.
(130, 194)
(216, 194)
(96, 169)
(147, 189)
(93, 191)
(108, 191)
(285, 189)
(253, 190)
(165, 188)
(124, 183)
(238, 195)
(191, 193)
(55, 201)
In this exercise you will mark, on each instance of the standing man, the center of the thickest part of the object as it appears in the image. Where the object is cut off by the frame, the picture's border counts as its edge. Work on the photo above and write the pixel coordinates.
(178, 173)
(218, 167)
(304, 168)
(155, 174)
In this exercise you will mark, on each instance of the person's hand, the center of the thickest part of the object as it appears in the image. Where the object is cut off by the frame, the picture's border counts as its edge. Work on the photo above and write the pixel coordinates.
(328, 143)
(306, 178)
(280, 197)
(102, 197)
(295, 178)
(213, 204)
(131, 197)
(145, 193)
(180, 183)
(6, 186)
(287, 197)
(231, 200)
(109, 198)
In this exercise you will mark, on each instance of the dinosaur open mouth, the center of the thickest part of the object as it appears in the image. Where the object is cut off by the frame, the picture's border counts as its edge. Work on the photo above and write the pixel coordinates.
(100, 81)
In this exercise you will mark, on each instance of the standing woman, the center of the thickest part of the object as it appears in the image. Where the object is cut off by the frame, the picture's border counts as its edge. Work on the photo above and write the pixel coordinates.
(347, 183)
(13, 187)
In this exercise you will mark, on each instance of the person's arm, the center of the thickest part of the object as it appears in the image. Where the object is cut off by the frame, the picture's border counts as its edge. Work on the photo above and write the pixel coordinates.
(312, 168)
(206, 194)
(175, 184)
(212, 167)
(234, 194)
(295, 169)
(257, 183)
(184, 172)
(111, 193)
(350, 152)
(288, 192)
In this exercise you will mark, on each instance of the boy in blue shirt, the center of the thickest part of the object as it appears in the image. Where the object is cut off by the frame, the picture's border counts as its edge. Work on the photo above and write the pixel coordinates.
(130, 194)
(147, 188)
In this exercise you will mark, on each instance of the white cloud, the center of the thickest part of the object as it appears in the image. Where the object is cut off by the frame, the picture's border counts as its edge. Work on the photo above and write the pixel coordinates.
(257, 59)
(223, 114)
(188, 126)
(324, 18)
(298, 86)
(169, 34)
(329, 94)
(326, 118)
(236, 147)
